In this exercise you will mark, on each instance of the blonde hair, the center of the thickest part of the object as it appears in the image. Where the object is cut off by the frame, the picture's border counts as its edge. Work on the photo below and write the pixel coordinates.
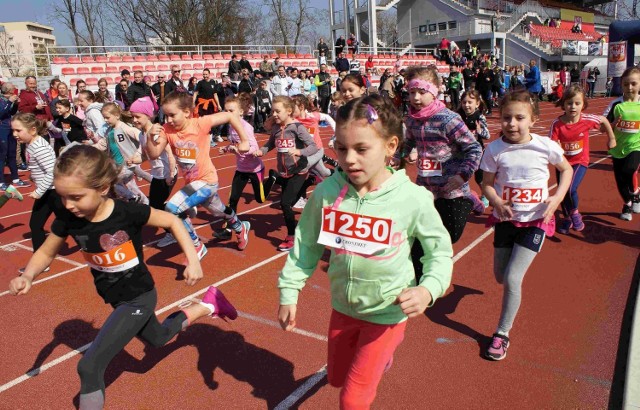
(114, 109)
(286, 102)
(29, 120)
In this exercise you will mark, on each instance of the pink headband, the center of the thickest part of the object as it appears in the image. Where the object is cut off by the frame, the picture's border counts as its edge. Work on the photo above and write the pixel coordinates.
(423, 85)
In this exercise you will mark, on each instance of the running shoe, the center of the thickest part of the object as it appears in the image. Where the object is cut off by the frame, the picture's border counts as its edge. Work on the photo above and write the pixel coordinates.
(219, 138)
(167, 240)
(478, 205)
(3, 186)
(626, 214)
(213, 144)
(222, 234)
(635, 204)
(201, 250)
(576, 220)
(23, 167)
(21, 184)
(300, 204)
(273, 174)
(11, 192)
(219, 305)
(286, 245)
(21, 270)
(485, 201)
(565, 225)
(243, 235)
(330, 161)
(498, 348)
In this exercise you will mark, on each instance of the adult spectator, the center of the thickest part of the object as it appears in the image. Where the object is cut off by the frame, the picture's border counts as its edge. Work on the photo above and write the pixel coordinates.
(341, 64)
(275, 65)
(124, 74)
(468, 74)
(532, 79)
(591, 82)
(224, 89)
(280, 83)
(340, 45)
(369, 65)
(562, 75)
(352, 44)
(323, 47)
(159, 90)
(175, 83)
(234, 68)
(295, 85)
(385, 74)
(397, 66)
(8, 144)
(122, 97)
(205, 98)
(103, 94)
(574, 74)
(322, 59)
(444, 49)
(455, 85)
(33, 101)
(246, 83)
(484, 83)
(323, 83)
(52, 92)
(138, 88)
(266, 66)
(245, 64)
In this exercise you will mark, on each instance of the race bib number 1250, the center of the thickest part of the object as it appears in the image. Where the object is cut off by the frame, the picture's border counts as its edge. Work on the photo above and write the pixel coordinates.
(355, 233)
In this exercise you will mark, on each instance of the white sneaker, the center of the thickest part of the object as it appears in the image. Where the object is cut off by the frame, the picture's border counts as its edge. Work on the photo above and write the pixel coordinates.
(167, 240)
(300, 204)
(635, 204)
(219, 138)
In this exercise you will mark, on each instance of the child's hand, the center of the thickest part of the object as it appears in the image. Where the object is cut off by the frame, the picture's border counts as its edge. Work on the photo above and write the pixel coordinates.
(412, 157)
(294, 152)
(232, 148)
(611, 144)
(19, 285)
(413, 301)
(503, 209)
(258, 153)
(33, 195)
(330, 143)
(243, 146)
(394, 163)
(192, 274)
(552, 204)
(156, 130)
(222, 150)
(287, 317)
(453, 183)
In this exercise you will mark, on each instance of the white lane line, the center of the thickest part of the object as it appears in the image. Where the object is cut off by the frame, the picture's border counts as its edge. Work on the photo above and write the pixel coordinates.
(275, 324)
(6, 292)
(19, 213)
(302, 390)
(60, 258)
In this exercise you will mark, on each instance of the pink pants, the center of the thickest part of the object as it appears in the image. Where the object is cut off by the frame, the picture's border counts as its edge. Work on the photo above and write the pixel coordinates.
(359, 353)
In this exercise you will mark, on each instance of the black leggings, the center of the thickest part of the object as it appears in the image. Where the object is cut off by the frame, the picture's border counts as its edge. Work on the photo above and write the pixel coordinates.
(240, 180)
(290, 188)
(159, 192)
(49, 203)
(625, 171)
(128, 320)
(453, 213)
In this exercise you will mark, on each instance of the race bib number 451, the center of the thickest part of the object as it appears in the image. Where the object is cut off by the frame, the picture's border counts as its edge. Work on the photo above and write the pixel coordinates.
(355, 233)
(523, 199)
(118, 259)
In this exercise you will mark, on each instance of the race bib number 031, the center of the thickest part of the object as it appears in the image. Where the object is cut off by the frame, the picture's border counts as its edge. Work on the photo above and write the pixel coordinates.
(284, 144)
(523, 199)
(118, 259)
(185, 155)
(429, 167)
(355, 233)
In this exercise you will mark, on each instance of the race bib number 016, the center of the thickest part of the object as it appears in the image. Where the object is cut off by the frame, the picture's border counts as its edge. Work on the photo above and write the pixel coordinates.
(572, 148)
(284, 144)
(185, 155)
(355, 233)
(523, 199)
(429, 167)
(118, 259)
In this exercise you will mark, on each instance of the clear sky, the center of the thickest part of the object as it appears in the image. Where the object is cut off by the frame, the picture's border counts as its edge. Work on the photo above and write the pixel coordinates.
(38, 11)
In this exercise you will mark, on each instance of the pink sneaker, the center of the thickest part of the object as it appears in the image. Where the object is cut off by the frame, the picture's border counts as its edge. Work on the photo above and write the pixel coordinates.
(286, 245)
(243, 235)
(222, 308)
(498, 348)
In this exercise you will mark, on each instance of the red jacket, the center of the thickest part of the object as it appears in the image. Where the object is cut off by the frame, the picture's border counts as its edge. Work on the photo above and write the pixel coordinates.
(28, 103)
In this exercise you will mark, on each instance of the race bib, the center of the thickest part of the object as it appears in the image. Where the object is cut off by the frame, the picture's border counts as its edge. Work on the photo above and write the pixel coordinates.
(118, 259)
(66, 127)
(284, 144)
(185, 155)
(524, 199)
(628, 126)
(429, 167)
(572, 148)
(354, 233)
(312, 130)
(265, 100)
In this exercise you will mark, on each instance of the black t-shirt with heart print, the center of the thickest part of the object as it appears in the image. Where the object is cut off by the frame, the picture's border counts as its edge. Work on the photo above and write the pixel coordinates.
(113, 250)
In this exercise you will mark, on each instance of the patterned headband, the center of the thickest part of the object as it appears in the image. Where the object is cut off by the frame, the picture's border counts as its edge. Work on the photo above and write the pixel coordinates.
(423, 85)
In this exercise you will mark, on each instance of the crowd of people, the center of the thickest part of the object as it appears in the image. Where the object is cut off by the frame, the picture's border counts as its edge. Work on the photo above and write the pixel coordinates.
(388, 235)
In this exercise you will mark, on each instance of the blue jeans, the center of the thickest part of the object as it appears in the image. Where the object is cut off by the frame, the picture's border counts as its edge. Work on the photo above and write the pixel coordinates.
(8, 147)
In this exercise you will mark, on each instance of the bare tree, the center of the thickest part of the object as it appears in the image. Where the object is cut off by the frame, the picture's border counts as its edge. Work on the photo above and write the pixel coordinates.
(290, 18)
(11, 58)
(84, 18)
(387, 28)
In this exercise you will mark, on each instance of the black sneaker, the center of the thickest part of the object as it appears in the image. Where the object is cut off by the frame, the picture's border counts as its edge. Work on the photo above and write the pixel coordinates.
(222, 234)
(23, 167)
(330, 161)
(635, 204)
(626, 214)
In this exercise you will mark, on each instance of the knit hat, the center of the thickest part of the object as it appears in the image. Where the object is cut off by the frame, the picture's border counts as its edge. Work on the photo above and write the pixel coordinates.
(142, 105)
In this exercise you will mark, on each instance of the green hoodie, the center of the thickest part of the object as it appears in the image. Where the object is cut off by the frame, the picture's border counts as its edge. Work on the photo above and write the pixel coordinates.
(366, 287)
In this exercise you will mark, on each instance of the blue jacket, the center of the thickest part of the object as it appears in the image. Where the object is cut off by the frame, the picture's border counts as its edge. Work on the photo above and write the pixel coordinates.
(532, 80)
(7, 110)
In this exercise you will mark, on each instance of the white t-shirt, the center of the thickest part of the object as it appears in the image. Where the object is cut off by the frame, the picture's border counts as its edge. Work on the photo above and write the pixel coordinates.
(296, 87)
(522, 173)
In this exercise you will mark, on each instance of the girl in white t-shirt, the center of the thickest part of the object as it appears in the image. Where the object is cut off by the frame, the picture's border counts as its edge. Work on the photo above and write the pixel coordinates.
(515, 181)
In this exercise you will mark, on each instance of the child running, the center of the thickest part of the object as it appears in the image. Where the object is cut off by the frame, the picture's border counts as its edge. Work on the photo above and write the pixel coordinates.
(28, 129)
(109, 233)
(189, 138)
(515, 180)
(294, 146)
(471, 110)
(625, 118)
(571, 131)
(72, 126)
(249, 168)
(369, 215)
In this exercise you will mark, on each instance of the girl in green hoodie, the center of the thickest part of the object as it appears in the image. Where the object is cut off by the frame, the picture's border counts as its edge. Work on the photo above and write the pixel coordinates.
(369, 216)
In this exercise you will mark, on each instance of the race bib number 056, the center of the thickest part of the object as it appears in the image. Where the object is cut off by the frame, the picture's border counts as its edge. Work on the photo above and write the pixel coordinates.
(355, 233)
(572, 148)
(523, 199)
(429, 167)
(118, 259)
(284, 144)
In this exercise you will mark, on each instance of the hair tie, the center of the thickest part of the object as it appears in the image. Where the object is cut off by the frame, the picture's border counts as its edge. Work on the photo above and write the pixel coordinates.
(372, 114)
(423, 85)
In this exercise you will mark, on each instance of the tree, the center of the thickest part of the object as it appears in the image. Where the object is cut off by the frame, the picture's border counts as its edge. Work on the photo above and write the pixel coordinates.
(291, 20)
(84, 18)
(11, 58)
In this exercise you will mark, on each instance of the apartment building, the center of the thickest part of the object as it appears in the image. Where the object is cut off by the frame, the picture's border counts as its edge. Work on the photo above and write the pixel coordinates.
(22, 44)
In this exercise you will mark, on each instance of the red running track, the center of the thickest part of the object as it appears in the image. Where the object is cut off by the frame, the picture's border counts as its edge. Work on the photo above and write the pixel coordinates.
(565, 350)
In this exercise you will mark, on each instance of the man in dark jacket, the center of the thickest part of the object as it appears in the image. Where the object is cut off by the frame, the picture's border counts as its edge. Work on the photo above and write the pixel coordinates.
(246, 84)
(340, 45)
(159, 89)
(234, 68)
(322, 46)
(323, 83)
(224, 89)
(575, 75)
(175, 83)
(245, 64)
(138, 88)
(341, 64)
(124, 74)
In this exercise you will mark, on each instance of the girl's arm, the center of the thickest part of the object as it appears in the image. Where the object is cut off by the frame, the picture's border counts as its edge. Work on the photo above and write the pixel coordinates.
(226, 117)
(156, 141)
(329, 120)
(162, 219)
(502, 207)
(605, 126)
(566, 173)
(37, 264)
(46, 160)
(310, 146)
(483, 129)
(457, 132)
(268, 146)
